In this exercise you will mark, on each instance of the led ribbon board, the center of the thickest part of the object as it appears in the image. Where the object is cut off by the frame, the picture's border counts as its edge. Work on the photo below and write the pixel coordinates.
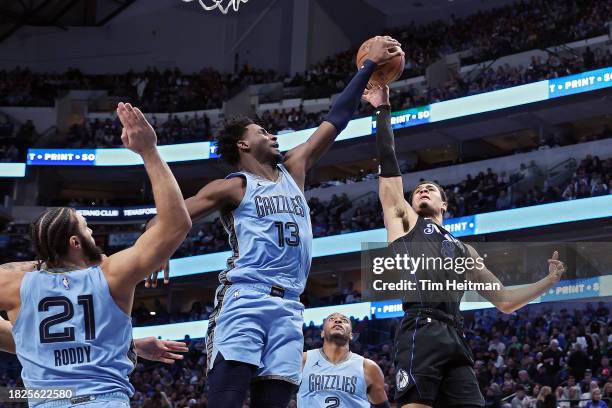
(486, 223)
(600, 286)
(436, 112)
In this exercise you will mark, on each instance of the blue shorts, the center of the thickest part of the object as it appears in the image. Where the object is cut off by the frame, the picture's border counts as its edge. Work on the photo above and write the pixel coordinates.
(110, 400)
(251, 326)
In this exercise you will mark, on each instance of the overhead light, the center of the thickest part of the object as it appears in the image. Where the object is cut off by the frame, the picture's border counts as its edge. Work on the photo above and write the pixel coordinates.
(152, 313)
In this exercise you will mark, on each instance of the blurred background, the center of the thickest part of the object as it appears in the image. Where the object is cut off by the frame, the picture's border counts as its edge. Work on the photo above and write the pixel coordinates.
(507, 104)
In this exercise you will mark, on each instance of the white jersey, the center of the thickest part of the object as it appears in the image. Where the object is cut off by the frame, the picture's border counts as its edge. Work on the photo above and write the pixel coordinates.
(328, 385)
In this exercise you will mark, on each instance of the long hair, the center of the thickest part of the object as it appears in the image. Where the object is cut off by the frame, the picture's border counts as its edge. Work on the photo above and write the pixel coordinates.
(50, 233)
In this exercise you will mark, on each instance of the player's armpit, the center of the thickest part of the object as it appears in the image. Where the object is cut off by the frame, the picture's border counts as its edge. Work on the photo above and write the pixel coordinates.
(397, 213)
(125, 269)
(7, 343)
(375, 382)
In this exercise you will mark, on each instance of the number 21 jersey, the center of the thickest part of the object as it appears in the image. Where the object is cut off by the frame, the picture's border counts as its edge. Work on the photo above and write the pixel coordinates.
(70, 333)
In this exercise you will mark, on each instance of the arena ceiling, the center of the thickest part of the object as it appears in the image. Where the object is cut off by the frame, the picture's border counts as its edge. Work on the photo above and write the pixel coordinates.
(62, 14)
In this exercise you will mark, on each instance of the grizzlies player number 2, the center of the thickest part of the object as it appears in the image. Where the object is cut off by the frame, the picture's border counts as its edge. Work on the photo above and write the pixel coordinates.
(86, 301)
(335, 402)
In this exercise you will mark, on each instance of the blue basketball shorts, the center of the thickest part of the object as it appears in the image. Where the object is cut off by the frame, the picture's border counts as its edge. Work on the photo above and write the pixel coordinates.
(250, 325)
(109, 400)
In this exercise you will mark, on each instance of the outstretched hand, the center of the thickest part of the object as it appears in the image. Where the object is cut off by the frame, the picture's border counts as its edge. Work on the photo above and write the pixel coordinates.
(154, 349)
(376, 95)
(137, 135)
(151, 280)
(382, 49)
(555, 267)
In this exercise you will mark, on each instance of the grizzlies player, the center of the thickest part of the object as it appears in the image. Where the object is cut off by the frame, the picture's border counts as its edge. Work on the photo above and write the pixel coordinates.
(332, 376)
(148, 348)
(71, 316)
(433, 362)
(255, 330)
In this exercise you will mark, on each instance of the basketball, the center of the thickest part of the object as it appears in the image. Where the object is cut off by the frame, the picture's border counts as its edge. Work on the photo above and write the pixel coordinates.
(384, 74)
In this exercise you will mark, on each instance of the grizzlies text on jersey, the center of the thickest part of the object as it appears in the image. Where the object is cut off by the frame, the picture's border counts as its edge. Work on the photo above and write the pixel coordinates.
(257, 317)
(326, 384)
(270, 234)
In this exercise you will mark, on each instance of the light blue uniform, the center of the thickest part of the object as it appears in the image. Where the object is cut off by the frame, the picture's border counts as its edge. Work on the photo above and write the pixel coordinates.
(70, 333)
(325, 384)
(271, 238)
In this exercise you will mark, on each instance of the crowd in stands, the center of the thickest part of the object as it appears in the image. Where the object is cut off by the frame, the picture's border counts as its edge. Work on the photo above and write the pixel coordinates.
(536, 357)
(483, 192)
(541, 356)
(107, 133)
(15, 139)
(153, 90)
(177, 129)
(487, 34)
(489, 79)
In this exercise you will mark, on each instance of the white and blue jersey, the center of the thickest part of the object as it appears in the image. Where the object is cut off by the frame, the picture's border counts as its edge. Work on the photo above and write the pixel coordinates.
(325, 384)
(257, 317)
(270, 234)
(70, 333)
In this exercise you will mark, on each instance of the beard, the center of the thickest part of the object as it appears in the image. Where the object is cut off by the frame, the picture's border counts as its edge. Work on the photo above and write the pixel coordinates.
(339, 338)
(278, 159)
(90, 250)
(426, 210)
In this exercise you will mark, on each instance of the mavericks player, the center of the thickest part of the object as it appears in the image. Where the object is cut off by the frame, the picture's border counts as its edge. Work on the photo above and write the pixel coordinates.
(433, 361)
(332, 376)
(71, 316)
(255, 330)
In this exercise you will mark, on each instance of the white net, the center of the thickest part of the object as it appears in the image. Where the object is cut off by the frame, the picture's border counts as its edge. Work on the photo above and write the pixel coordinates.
(213, 4)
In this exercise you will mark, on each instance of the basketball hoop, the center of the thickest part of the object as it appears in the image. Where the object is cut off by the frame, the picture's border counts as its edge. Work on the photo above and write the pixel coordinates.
(235, 4)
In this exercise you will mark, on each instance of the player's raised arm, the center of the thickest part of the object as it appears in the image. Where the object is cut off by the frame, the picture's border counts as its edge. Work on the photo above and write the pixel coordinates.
(303, 157)
(509, 300)
(390, 186)
(7, 344)
(375, 381)
(125, 269)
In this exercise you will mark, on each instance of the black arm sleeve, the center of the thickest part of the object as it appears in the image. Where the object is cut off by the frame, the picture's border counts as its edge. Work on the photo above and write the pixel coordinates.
(385, 145)
(348, 101)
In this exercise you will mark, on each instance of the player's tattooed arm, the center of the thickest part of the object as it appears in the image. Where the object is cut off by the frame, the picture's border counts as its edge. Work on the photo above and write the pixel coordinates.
(375, 382)
(7, 344)
(508, 300)
(10, 281)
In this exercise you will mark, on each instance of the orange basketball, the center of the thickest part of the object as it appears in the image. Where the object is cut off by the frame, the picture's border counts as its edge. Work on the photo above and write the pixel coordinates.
(384, 74)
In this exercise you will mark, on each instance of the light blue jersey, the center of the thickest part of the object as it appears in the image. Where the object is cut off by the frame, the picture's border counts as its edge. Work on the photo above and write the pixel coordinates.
(270, 234)
(325, 384)
(70, 333)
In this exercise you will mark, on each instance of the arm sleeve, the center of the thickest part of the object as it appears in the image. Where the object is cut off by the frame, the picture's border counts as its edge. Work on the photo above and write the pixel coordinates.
(348, 101)
(385, 145)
